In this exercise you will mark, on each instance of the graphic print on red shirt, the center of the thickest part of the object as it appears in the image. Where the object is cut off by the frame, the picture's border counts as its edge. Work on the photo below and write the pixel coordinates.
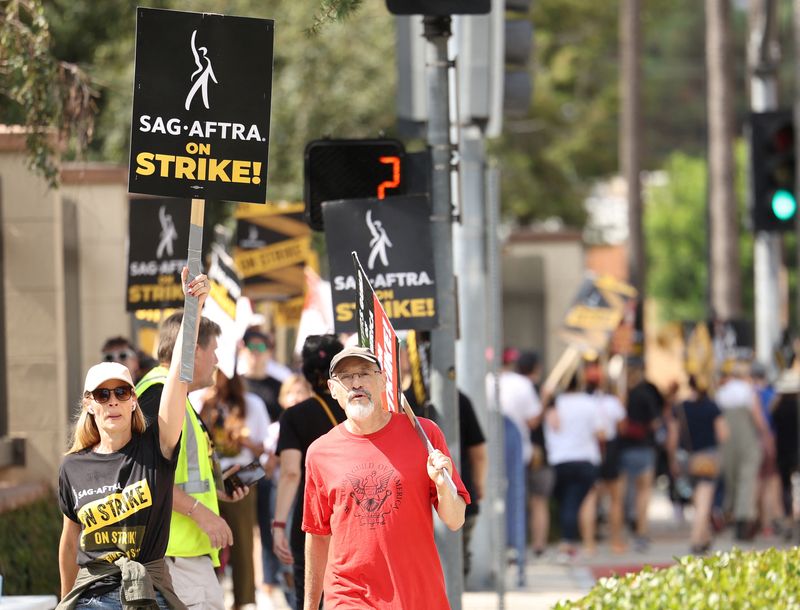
(376, 490)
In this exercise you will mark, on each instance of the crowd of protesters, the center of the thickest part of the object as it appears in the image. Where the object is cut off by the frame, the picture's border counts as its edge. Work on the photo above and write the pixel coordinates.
(588, 454)
(726, 444)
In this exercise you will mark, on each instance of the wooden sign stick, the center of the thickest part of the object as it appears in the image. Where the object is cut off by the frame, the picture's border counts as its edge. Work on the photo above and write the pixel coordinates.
(565, 364)
(190, 311)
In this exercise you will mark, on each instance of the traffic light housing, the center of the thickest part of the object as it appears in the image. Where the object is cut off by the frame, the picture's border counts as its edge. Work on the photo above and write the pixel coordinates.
(517, 81)
(494, 72)
(772, 155)
(441, 8)
(351, 169)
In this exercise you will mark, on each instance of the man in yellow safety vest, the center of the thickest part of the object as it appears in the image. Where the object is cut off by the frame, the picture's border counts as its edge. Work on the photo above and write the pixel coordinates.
(197, 532)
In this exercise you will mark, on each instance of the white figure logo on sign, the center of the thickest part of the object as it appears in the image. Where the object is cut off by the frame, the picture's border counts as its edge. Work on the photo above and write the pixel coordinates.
(378, 243)
(201, 75)
(168, 233)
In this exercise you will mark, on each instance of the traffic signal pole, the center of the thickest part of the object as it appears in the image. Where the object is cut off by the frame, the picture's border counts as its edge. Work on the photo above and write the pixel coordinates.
(764, 97)
(443, 339)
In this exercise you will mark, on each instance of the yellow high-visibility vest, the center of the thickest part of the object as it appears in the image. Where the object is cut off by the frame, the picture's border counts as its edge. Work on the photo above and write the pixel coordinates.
(194, 475)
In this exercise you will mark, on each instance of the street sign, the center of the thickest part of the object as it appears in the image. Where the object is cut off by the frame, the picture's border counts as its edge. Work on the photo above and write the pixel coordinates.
(201, 106)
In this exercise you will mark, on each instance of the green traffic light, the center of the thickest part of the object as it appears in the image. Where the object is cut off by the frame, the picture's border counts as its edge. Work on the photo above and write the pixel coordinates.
(784, 205)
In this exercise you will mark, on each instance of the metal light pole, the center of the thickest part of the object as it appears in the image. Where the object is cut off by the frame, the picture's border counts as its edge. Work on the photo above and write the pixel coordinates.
(469, 260)
(498, 481)
(764, 97)
(443, 339)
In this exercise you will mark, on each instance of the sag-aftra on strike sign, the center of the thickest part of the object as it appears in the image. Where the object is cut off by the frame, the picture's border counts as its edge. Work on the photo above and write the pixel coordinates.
(201, 106)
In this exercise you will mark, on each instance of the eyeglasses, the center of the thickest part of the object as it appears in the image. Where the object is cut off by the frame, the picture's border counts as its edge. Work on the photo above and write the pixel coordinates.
(117, 356)
(348, 378)
(103, 395)
(257, 347)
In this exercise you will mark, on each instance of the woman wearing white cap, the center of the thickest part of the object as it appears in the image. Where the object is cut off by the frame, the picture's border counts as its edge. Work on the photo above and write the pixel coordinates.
(115, 489)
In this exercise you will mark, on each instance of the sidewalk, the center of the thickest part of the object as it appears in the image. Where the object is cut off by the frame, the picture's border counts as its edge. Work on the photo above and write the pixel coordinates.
(548, 582)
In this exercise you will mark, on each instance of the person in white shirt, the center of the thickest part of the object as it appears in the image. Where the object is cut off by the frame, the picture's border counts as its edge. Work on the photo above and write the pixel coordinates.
(611, 412)
(522, 411)
(519, 402)
(572, 433)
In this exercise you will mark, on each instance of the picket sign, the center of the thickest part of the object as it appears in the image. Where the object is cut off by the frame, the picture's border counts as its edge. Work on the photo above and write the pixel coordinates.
(375, 331)
(200, 119)
(596, 311)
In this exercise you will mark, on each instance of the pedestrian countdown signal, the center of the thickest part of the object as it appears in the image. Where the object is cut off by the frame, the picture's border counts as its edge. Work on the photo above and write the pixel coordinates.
(351, 169)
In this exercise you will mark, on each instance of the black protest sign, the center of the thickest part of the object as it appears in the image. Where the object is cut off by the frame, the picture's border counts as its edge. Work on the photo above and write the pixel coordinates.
(596, 311)
(201, 106)
(392, 238)
(225, 285)
(273, 245)
(158, 239)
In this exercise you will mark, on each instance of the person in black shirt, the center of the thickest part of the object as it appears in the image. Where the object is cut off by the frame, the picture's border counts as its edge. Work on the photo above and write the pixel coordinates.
(257, 346)
(474, 464)
(115, 487)
(784, 409)
(299, 427)
(637, 447)
(474, 459)
(698, 428)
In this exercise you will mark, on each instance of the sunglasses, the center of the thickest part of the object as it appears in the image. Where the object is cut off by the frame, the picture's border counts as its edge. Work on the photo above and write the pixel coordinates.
(257, 347)
(103, 395)
(117, 356)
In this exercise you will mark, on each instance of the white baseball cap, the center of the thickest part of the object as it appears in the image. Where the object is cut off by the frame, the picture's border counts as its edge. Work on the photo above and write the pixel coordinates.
(105, 371)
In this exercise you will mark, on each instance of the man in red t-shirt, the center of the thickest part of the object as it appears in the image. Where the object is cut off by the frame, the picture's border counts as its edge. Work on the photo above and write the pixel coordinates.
(370, 485)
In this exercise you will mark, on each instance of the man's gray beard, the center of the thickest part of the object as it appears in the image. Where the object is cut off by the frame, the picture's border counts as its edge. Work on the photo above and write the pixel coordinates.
(359, 411)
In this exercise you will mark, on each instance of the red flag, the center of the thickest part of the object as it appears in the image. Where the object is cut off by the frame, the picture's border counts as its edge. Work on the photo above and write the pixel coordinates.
(376, 332)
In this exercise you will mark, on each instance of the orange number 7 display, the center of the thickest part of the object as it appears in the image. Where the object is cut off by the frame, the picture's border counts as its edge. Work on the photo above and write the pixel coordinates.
(395, 181)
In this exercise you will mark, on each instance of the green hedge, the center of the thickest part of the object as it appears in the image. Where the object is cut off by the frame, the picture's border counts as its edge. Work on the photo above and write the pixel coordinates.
(736, 580)
(29, 538)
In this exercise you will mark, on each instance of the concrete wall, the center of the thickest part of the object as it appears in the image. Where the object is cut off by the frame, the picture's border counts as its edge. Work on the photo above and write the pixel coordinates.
(34, 322)
(541, 273)
(63, 270)
(99, 192)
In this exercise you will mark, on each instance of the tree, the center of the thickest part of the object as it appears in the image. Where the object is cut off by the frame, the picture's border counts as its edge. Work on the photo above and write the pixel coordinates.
(726, 298)
(54, 98)
(677, 238)
(630, 147)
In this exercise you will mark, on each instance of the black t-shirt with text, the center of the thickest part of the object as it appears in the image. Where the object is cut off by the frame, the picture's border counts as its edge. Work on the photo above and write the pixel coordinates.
(122, 501)
(300, 426)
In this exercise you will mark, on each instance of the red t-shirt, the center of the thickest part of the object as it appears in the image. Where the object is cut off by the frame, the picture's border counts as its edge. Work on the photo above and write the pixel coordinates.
(372, 494)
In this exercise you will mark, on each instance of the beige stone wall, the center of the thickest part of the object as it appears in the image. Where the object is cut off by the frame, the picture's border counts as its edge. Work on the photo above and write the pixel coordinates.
(39, 357)
(34, 322)
(541, 273)
(100, 194)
